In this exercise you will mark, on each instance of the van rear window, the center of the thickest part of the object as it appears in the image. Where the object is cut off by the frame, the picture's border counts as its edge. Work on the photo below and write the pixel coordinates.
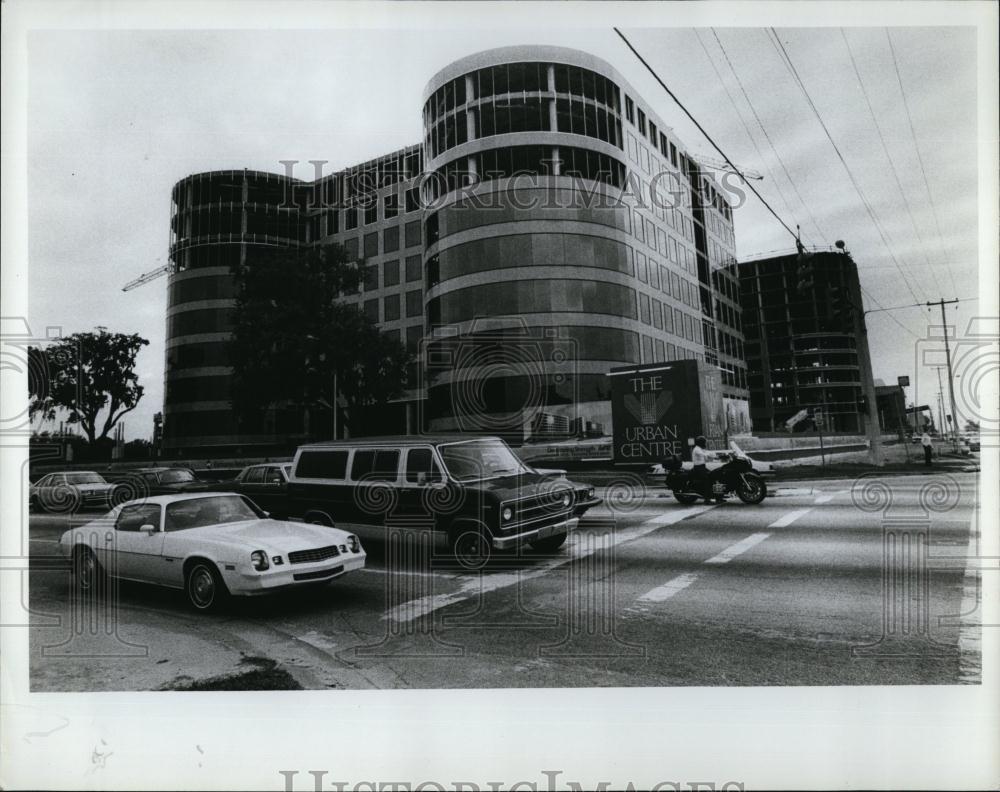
(322, 464)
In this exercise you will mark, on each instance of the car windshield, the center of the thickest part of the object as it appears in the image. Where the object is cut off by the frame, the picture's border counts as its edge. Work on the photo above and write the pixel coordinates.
(201, 512)
(176, 476)
(84, 478)
(477, 459)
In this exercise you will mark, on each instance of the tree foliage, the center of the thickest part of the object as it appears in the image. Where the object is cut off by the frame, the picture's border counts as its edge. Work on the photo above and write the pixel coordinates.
(86, 374)
(293, 333)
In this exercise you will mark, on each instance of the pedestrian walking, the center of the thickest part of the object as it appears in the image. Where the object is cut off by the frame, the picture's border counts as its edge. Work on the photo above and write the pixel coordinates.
(925, 441)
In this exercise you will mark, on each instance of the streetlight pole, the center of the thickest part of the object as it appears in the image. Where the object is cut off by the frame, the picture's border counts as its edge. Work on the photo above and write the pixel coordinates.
(951, 380)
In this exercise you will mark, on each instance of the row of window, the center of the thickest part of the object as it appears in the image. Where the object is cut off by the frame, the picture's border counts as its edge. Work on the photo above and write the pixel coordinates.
(391, 307)
(270, 189)
(525, 161)
(214, 287)
(520, 78)
(259, 219)
(391, 273)
(367, 246)
(529, 114)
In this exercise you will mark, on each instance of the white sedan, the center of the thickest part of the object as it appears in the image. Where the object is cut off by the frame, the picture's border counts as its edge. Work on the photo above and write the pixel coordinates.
(209, 544)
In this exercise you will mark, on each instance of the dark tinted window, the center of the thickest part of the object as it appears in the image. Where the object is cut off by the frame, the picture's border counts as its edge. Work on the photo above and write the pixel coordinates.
(254, 475)
(322, 464)
(375, 465)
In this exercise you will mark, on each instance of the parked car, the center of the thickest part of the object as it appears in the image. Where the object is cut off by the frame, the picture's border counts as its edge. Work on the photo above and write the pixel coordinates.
(142, 482)
(210, 545)
(584, 495)
(473, 493)
(266, 485)
(70, 491)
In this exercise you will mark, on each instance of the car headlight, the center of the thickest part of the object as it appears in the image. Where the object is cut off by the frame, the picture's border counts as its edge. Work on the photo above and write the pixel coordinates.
(566, 499)
(354, 543)
(590, 493)
(507, 513)
(258, 559)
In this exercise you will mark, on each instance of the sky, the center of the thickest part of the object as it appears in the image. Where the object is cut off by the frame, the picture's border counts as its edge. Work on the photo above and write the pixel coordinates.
(116, 117)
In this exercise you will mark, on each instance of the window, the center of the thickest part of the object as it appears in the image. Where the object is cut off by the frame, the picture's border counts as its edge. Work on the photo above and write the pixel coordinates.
(414, 303)
(351, 248)
(390, 308)
(375, 465)
(371, 277)
(371, 310)
(371, 244)
(132, 518)
(390, 205)
(657, 314)
(255, 475)
(350, 218)
(412, 199)
(652, 133)
(390, 239)
(413, 268)
(371, 210)
(629, 110)
(390, 273)
(412, 233)
(414, 335)
(421, 466)
(322, 464)
(644, 308)
(642, 123)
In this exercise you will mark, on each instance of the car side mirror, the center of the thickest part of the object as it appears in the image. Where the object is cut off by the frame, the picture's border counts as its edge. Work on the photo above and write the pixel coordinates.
(148, 528)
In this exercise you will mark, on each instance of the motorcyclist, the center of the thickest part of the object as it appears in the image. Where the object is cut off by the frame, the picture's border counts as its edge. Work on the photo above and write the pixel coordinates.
(700, 480)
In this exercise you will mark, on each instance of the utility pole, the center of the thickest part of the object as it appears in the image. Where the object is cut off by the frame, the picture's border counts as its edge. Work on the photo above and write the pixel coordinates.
(940, 399)
(951, 380)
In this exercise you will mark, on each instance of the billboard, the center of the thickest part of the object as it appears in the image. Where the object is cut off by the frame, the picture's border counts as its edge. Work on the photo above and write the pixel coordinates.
(657, 408)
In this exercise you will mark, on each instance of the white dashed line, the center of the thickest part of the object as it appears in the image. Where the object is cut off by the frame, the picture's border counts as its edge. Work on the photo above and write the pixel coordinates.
(477, 585)
(788, 519)
(829, 497)
(732, 551)
(668, 589)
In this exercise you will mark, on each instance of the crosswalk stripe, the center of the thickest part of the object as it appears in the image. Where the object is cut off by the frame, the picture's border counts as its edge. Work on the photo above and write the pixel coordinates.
(788, 519)
(668, 589)
(742, 546)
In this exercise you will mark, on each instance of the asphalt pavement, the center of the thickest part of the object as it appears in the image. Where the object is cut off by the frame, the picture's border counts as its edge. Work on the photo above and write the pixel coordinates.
(827, 582)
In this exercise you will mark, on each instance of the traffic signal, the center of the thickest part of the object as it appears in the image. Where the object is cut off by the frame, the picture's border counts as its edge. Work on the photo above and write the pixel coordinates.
(805, 275)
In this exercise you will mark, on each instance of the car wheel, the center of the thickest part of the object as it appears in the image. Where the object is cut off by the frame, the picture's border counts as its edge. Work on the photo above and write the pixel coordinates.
(685, 498)
(470, 547)
(204, 587)
(87, 570)
(550, 543)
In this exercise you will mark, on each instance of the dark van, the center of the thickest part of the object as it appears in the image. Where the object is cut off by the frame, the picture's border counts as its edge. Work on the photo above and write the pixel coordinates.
(473, 493)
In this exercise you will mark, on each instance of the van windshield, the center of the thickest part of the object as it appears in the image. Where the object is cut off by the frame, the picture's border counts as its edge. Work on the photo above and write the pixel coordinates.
(478, 459)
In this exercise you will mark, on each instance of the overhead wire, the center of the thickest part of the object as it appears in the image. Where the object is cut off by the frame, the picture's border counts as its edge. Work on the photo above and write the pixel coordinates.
(760, 124)
(703, 131)
(786, 59)
(888, 155)
(920, 159)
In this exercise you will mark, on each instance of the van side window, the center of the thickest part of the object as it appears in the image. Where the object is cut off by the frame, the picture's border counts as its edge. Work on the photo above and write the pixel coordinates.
(322, 464)
(254, 475)
(375, 465)
(421, 466)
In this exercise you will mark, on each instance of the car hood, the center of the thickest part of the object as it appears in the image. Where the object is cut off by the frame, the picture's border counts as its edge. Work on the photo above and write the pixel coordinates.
(517, 486)
(277, 535)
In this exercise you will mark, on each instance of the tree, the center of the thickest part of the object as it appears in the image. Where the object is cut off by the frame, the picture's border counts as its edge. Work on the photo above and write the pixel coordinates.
(86, 374)
(294, 335)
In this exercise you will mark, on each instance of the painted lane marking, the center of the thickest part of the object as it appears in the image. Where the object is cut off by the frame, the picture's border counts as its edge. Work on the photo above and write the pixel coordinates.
(414, 572)
(830, 496)
(788, 519)
(668, 589)
(477, 585)
(742, 546)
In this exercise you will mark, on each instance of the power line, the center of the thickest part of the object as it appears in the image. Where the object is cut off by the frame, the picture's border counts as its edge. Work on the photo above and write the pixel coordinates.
(746, 127)
(920, 159)
(760, 124)
(869, 295)
(787, 61)
(703, 132)
(885, 149)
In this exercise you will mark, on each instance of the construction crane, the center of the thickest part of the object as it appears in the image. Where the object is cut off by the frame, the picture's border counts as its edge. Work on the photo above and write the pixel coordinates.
(146, 277)
(722, 165)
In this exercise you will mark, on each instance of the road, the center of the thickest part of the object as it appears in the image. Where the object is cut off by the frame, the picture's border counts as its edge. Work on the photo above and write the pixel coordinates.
(829, 582)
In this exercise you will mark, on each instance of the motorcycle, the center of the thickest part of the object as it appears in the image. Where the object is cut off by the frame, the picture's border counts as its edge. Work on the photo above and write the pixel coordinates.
(734, 476)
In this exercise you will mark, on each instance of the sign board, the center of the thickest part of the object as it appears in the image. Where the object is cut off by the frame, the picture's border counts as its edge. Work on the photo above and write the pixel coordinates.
(658, 407)
(903, 380)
